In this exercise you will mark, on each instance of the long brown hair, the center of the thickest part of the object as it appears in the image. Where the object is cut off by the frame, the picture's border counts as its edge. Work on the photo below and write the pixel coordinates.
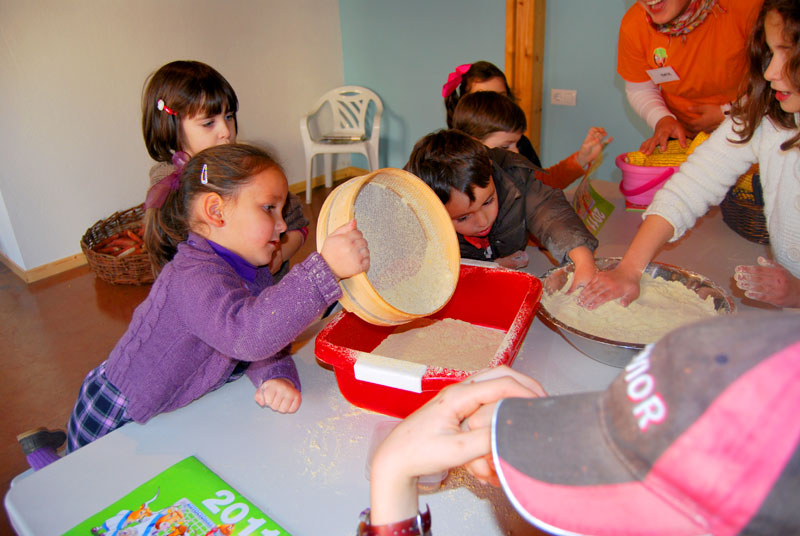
(229, 167)
(759, 98)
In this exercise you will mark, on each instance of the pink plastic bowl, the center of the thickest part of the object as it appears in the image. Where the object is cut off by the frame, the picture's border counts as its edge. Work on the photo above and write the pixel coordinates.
(640, 183)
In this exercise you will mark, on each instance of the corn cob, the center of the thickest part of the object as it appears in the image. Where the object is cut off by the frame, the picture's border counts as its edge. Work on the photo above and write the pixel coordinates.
(675, 155)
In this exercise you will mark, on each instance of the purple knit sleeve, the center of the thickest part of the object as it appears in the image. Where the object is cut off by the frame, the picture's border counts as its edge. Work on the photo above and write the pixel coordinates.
(281, 365)
(224, 314)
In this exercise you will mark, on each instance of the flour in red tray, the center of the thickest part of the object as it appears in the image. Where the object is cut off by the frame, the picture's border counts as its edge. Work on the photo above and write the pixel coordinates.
(443, 344)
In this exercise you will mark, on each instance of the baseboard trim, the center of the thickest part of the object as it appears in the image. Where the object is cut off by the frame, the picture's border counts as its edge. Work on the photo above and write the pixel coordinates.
(339, 174)
(45, 270)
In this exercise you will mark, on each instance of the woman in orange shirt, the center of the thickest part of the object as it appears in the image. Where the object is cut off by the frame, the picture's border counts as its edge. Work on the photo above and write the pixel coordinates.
(683, 63)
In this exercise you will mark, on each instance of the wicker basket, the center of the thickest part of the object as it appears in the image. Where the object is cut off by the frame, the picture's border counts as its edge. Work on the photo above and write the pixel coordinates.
(133, 269)
(743, 208)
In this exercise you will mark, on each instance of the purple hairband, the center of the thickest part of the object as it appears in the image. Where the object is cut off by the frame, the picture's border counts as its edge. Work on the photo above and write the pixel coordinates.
(158, 192)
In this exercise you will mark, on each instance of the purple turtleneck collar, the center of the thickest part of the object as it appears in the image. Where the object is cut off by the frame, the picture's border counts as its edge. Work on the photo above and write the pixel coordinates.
(241, 266)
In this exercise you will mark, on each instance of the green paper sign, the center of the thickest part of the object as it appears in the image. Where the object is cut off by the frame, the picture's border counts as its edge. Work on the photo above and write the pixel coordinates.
(592, 208)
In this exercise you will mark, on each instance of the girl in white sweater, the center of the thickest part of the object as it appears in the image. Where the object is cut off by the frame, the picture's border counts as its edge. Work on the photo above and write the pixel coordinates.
(764, 128)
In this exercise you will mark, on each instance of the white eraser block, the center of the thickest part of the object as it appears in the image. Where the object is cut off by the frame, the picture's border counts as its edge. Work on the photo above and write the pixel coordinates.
(390, 372)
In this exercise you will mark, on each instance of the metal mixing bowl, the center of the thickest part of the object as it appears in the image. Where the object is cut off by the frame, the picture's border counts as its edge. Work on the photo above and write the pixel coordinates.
(619, 353)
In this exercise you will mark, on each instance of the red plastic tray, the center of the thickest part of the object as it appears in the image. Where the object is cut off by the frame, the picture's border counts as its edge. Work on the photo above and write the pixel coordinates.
(491, 297)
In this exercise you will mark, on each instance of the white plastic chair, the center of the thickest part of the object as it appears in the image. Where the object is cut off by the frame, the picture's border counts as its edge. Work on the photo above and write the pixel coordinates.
(338, 124)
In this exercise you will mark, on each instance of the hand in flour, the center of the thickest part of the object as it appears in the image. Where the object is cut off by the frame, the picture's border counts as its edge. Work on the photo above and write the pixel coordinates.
(278, 394)
(619, 283)
(346, 251)
(452, 429)
(585, 267)
(769, 282)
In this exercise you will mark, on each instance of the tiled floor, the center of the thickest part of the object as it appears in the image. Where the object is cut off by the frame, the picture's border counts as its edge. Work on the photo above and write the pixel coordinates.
(52, 333)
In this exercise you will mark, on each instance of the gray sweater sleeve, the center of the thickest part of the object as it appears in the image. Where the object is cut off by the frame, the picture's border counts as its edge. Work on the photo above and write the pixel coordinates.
(552, 220)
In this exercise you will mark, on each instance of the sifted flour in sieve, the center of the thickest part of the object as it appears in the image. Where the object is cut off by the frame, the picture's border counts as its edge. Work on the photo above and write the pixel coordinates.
(661, 307)
(448, 343)
(407, 268)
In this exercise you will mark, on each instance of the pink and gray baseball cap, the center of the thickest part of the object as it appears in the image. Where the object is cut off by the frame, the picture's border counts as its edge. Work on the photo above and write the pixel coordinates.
(698, 435)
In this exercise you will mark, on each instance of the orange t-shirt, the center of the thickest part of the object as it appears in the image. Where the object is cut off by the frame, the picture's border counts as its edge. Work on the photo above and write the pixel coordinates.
(710, 60)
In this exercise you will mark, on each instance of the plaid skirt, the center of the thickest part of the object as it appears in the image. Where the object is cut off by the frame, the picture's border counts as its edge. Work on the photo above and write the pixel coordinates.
(100, 408)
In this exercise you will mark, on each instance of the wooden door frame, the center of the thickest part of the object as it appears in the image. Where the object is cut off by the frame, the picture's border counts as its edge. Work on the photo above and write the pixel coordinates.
(524, 67)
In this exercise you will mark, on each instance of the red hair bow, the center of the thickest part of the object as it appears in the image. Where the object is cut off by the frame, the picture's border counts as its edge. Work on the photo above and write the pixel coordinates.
(454, 79)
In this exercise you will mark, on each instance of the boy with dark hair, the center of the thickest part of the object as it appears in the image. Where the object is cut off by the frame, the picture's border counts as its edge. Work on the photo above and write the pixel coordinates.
(495, 201)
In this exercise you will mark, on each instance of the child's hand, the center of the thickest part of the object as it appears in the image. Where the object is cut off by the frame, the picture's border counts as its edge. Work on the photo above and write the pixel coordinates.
(585, 268)
(279, 395)
(437, 436)
(592, 146)
(769, 282)
(518, 259)
(346, 251)
(583, 274)
(606, 286)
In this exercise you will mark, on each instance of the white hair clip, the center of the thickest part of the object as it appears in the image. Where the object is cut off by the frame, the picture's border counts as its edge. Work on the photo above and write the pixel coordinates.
(204, 174)
(162, 106)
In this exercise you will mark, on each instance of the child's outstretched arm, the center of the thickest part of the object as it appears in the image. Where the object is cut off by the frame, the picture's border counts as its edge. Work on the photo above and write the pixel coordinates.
(592, 146)
(435, 437)
(623, 281)
(769, 282)
(346, 252)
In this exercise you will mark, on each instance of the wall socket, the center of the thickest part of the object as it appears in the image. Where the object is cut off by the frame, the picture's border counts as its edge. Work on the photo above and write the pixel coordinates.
(563, 97)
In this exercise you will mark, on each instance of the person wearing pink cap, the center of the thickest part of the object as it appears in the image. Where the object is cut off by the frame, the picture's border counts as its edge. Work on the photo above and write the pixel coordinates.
(697, 435)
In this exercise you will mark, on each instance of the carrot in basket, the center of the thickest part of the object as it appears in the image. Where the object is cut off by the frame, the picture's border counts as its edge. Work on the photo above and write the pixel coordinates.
(123, 242)
(106, 241)
(126, 252)
(133, 236)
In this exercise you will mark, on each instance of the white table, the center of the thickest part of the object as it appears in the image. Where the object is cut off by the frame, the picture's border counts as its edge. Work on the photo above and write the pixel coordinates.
(307, 470)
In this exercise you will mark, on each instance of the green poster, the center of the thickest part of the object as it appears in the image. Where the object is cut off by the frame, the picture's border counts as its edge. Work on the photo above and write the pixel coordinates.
(590, 206)
(188, 499)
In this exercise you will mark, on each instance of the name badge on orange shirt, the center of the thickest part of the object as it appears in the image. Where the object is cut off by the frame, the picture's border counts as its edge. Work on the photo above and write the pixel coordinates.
(662, 75)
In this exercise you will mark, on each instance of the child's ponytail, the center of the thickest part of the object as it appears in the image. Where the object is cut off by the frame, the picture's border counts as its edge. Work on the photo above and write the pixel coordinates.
(165, 221)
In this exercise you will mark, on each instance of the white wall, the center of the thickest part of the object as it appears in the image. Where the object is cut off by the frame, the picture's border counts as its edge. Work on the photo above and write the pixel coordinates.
(71, 75)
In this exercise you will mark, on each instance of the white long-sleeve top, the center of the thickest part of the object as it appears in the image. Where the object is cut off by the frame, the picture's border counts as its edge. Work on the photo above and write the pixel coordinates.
(716, 164)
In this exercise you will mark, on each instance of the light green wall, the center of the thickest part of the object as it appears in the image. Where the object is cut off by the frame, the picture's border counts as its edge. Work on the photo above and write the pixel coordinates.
(404, 51)
(581, 54)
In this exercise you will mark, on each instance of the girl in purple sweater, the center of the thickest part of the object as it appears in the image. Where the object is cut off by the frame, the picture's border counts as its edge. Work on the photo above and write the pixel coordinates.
(213, 312)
